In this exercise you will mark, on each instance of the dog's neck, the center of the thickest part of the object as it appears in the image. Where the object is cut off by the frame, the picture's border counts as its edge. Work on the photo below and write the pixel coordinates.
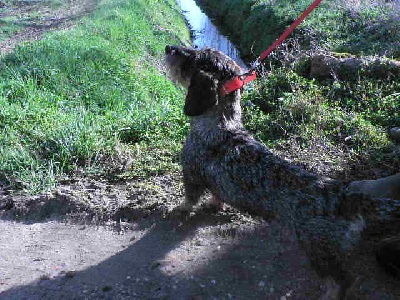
(216, 124)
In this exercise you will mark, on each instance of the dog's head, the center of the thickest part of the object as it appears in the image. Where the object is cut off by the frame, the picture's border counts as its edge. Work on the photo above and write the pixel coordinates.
(202, 72)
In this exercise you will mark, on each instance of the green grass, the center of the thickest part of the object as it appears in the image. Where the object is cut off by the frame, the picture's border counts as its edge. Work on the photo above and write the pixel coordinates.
(370, 28)
(348, 121)
(304, 107)
(96, 99)
(68, 101)
(344, 122)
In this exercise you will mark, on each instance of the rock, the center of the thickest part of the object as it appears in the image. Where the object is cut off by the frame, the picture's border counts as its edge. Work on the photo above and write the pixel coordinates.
(394, 134)
(388, 187)
(329, 66)
(320, 68)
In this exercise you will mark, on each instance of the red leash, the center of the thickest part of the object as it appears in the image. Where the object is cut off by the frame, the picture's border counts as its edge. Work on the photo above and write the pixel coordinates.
(239, 81)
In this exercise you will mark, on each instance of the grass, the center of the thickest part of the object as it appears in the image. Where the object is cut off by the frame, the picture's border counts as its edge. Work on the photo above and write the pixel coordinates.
(96, 98)
(303, 107)
(359, 27)
(70, 100)
(342, 122)
(349, 120)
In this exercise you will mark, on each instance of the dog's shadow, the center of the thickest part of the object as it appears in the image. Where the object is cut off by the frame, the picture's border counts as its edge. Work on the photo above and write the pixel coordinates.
(200, 256)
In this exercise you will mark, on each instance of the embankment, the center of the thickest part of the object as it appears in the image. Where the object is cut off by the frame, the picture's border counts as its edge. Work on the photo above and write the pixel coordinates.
(366, 28)
(78, 97)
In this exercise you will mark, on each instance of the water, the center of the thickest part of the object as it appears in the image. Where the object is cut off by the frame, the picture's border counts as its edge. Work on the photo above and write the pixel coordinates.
(205, 33)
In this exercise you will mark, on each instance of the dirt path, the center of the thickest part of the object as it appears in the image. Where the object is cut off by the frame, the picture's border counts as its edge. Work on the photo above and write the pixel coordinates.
(44, 251)
(205, 257)
(142, 252)
(37, 18)
(138, 250)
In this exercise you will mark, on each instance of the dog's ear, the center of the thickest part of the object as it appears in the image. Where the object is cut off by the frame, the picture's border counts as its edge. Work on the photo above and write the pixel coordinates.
(202, 94)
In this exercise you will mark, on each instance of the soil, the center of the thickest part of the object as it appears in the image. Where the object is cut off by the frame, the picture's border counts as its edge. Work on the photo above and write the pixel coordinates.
(92, 239)
(95, 237)
(38, 18)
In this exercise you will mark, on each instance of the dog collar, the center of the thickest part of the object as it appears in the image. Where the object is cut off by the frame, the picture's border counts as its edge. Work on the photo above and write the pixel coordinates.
(237, 83)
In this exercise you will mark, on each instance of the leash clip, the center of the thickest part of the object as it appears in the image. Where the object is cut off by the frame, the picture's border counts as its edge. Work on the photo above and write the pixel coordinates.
(237, 82)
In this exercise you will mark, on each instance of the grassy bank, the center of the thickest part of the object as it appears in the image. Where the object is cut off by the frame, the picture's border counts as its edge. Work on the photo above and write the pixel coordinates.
(359, 27)
(92, 98)
(338, 127)
(95, 98)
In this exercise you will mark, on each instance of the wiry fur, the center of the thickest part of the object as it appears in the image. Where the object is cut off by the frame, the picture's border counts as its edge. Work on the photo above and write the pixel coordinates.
(219, 154)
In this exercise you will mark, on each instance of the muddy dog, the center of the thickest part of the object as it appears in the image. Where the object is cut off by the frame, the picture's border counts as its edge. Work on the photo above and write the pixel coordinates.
(219, 154)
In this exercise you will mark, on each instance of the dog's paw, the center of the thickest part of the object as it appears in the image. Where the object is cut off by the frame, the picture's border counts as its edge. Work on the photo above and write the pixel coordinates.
(182, 211)
(214, 205)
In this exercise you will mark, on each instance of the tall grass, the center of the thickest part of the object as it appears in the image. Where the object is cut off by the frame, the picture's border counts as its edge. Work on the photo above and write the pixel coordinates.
(67, 101)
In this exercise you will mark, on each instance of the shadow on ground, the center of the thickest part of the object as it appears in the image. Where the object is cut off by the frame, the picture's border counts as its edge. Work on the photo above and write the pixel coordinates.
(206, 256)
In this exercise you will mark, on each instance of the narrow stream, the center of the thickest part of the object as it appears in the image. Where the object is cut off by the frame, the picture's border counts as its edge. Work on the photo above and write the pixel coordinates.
(207, 34)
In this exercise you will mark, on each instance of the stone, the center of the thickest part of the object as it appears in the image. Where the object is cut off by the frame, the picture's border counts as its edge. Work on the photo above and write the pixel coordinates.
(388, 187)
(394, 134)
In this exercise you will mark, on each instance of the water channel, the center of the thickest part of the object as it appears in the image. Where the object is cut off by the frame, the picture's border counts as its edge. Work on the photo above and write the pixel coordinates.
(205, 33)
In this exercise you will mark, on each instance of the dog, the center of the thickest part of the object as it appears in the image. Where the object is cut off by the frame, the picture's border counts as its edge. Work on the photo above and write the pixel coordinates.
(219, 155)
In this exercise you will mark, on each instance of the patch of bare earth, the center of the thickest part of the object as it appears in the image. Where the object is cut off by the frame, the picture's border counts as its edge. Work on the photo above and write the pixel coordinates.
(39, 18)
(100, 238)
(138, 250)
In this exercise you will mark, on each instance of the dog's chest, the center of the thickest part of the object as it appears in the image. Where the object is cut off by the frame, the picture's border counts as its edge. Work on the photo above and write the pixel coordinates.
(196, 158)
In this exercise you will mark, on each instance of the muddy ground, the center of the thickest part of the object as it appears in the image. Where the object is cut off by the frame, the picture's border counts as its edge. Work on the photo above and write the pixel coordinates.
(98, 238)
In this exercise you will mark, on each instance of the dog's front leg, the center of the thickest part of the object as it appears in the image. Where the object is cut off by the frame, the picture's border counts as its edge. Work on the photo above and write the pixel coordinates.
(193, 192)
(216, 202)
